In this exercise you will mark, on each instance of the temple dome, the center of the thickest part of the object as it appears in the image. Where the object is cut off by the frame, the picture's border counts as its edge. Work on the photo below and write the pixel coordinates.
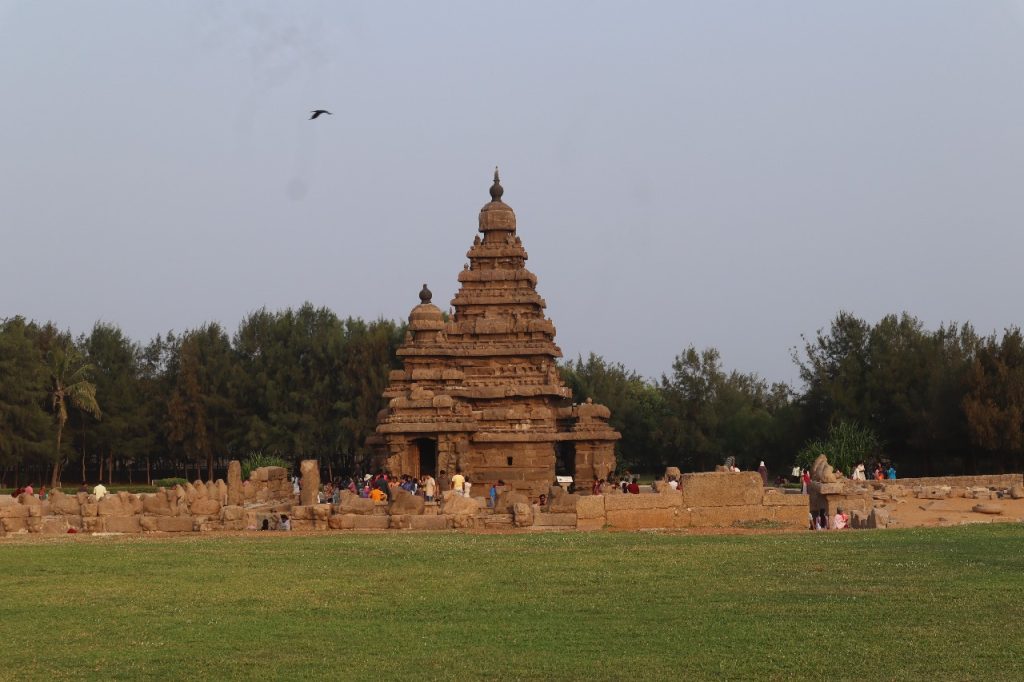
(496, 214)
(426, 316)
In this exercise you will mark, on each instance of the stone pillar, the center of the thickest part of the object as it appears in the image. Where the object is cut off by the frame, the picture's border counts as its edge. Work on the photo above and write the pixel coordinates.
(236, 495)
(310, 484)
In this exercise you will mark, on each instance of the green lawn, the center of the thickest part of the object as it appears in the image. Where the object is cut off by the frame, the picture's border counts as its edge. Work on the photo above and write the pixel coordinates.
(909, 604)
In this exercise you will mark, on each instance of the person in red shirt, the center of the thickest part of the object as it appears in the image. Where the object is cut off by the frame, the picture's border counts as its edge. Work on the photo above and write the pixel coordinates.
(805, 479)
(633, 488)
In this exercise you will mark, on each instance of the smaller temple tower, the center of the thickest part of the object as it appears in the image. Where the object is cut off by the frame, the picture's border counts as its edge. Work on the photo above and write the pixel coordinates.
(481, 392)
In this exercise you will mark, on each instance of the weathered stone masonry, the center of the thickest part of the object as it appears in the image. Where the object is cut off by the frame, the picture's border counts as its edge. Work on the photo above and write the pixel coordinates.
(481, 391)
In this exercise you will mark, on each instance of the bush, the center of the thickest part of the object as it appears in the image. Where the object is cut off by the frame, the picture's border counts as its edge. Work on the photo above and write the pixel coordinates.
(255, 460)
(168, 482)
(847, 444)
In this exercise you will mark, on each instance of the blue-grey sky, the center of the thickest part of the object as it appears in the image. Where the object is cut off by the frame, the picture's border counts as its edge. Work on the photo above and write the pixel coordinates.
(725, 174)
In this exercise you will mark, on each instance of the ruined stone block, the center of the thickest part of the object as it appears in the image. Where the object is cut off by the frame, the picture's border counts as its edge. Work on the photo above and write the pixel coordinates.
(721, 489)
(433, 522)
(15, 524)
(564, 504)
(555, 519)
(372, 522)
(727, 516)
(205, 507)
(122, 524)
(156, 504)
(232, 513)
(637, 518)
(353, 504)
(407, 503)
(596, 523)
(174, 524)
(61, 504)
(14, 511)
(341, 521)
(665, 500)
(774, 498)
(590, 507)
(310, 484)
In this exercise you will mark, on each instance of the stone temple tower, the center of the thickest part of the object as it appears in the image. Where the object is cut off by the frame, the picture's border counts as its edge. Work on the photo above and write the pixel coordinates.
(481, 391)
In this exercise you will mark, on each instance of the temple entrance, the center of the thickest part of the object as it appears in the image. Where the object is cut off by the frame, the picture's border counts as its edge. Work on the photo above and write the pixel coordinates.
(565, 458)
(426, 450)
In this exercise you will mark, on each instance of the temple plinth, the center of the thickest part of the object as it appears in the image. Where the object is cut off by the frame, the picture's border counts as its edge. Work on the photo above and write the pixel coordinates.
(481, 391)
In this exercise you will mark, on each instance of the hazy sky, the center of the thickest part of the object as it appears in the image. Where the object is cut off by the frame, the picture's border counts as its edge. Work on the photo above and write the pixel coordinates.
(727, 174)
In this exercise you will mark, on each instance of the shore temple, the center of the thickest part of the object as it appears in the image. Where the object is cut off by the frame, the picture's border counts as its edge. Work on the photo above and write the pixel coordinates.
(481, 391)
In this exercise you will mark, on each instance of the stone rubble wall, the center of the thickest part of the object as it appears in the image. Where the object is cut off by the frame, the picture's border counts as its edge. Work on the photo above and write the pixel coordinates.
(873, 504)
(713, 499)
(706, 500)
(193, 507)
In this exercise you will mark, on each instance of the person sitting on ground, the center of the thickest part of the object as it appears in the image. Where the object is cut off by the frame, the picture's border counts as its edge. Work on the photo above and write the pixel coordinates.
(285, 523)
(542, 501)
(634, 487)
(378, 495)
(29, 490)
(840, 521)
(821, 520)
(266, 524)
(673, 484)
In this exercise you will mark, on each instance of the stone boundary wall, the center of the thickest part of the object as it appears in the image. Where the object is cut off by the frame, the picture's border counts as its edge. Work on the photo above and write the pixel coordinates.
(713, 499)
(704, 500)
(984, 481)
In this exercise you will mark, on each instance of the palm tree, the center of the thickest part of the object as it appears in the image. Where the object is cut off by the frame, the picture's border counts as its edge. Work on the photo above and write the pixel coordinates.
(70, 385)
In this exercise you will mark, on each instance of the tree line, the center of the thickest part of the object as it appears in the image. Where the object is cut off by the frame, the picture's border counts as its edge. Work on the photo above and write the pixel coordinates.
(306, 383)
(299, 383)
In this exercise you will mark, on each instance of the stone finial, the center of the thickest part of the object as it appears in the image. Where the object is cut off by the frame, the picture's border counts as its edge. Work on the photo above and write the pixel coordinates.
(425, 294)
(496, 189)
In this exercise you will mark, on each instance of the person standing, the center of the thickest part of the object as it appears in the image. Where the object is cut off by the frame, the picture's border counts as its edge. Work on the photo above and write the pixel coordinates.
(429, 487)
(891, 473)
(466, 485)
(763, 470)
(459, 483)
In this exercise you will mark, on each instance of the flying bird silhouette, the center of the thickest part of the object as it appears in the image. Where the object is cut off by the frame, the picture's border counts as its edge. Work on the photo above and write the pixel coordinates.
(318, 112)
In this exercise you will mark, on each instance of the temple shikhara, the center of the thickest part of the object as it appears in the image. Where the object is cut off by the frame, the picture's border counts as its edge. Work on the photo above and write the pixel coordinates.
(481, 392)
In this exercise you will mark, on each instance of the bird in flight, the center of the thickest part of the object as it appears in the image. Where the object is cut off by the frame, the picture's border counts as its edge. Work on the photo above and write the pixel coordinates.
(318, 112)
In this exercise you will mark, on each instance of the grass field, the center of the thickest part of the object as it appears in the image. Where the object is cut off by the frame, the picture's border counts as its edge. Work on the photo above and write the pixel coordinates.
(910, 604)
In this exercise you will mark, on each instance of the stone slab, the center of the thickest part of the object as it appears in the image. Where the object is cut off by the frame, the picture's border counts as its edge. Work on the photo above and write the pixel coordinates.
(429, 522)
(721, 489)
(373, 522)
(174, 524)
(555, 519)
(635, 519)
(667, 500)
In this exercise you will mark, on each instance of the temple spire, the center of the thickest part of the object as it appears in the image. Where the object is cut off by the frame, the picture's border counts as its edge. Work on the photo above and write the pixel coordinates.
(496, 189)
(425, 294)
